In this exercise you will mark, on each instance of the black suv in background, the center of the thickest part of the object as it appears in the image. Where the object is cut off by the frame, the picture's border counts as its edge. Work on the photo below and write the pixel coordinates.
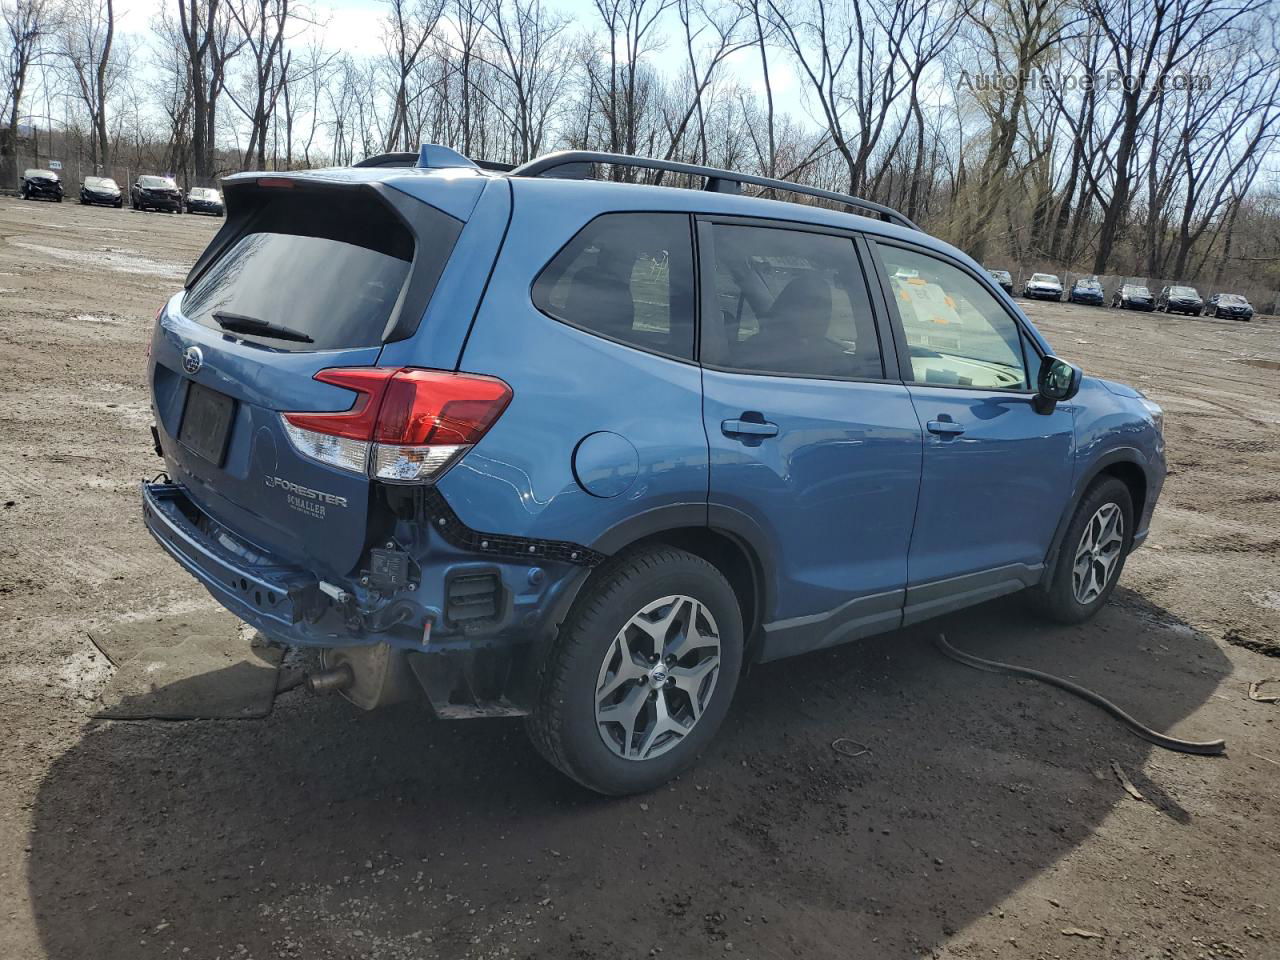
(1179, 300)
(1003, 278)
(101, 190)
(155, 193)
(1230, 306)
(1133, 296)
(1087, 290)
(204, 200)
(41, 183)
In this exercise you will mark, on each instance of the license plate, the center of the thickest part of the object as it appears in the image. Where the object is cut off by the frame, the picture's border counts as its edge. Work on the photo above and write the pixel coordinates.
(206, 423)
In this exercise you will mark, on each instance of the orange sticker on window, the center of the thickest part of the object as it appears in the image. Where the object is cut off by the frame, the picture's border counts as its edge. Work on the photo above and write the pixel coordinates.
(948, 301)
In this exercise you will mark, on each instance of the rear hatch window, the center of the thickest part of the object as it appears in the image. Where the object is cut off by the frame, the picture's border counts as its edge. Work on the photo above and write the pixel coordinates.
(324, 270)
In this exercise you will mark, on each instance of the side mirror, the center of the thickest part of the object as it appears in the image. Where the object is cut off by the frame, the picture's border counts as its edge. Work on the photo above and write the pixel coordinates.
(1058, 381)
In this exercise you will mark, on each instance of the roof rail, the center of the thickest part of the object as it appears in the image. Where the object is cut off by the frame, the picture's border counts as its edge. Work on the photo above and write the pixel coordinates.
(719, 181)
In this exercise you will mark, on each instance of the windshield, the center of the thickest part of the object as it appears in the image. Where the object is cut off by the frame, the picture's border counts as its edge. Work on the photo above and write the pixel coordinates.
(1231, 298)
(46, 174)
(203, 193)
(1000, 274)
(100, 183)
(1088, 284)
(1044, 278)
(1183, 291)
(157, 183)
(1138, 291)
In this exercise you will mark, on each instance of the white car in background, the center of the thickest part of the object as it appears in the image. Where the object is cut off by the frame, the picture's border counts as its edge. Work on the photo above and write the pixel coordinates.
(1043, 286)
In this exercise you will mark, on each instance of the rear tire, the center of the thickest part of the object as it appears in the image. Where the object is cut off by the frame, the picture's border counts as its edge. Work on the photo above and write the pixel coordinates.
(607, 713)
(1091, 555)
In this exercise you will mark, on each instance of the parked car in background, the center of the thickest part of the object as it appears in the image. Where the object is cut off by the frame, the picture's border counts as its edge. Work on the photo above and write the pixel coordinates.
(41, 184)
(204, 200)
(1132, 296)
(1179, 300)
(1087, 290)
(1003, 278)
(1230, 306)
(439, 475)
(155, 193)
(101, 190)
(1043, 286)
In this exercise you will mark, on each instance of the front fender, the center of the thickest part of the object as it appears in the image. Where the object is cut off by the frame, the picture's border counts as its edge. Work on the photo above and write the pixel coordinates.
(1113, 430)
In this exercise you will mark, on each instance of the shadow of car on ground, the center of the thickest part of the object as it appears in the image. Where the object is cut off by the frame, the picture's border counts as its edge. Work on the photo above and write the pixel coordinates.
(326, 832)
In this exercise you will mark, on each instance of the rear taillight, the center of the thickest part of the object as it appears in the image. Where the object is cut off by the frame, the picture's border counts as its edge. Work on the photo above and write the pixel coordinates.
(406, 425)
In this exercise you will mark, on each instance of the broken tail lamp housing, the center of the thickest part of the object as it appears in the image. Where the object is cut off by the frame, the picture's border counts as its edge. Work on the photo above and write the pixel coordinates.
(406, 425)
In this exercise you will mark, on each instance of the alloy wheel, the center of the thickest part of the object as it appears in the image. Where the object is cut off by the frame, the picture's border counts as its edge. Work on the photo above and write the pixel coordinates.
(657, 678)
(1098, 554)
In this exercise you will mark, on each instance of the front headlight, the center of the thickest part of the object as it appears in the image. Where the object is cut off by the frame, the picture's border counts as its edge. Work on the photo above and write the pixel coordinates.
(1156, 412)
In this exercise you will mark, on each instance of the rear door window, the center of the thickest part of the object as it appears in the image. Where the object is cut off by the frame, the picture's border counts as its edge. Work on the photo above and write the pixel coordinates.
(790, 302)
(628, 277)
(328, 267)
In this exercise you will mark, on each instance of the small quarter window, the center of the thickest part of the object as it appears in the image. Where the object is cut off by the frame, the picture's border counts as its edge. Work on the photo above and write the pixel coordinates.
(628, 277)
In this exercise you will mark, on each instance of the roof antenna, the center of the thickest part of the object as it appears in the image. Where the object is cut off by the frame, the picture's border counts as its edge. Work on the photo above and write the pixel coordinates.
(435, 156)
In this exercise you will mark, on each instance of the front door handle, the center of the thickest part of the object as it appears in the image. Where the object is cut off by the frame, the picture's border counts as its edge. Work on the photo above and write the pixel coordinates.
(748, 428)
(945, 428)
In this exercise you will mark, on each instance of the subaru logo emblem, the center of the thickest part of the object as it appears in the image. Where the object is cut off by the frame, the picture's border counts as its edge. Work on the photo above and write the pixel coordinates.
(192, 359)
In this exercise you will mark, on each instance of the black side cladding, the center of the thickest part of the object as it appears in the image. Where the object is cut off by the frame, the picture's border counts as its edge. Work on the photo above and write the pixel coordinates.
(434, 509)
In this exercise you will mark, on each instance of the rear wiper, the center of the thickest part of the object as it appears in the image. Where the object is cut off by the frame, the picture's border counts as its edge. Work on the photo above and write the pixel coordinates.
(239, 323)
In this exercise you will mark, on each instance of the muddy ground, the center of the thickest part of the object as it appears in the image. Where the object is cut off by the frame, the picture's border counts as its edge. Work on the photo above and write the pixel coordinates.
(985, 821)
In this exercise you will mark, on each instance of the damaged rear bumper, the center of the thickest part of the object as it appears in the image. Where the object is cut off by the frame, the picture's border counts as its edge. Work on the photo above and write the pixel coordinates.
(470, 669)
(269, 596)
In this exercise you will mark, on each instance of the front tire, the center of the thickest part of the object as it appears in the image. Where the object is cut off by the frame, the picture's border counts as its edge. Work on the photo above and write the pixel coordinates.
(641, 674)
(1091, 555)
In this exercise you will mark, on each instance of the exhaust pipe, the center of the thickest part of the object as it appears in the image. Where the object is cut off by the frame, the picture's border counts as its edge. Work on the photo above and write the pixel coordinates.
(334, 679)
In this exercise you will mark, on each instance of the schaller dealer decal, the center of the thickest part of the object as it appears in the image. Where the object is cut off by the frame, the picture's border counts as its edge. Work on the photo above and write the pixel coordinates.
(306, 499)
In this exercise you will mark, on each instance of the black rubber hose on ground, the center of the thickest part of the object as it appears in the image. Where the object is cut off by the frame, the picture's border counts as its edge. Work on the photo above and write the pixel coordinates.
(1204, 748)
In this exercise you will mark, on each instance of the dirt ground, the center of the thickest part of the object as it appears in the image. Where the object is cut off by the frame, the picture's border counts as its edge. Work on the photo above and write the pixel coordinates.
(985, 821)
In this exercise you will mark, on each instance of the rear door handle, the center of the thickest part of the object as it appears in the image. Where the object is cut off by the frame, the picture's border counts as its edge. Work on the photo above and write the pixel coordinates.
(748, 428)
(945, 428)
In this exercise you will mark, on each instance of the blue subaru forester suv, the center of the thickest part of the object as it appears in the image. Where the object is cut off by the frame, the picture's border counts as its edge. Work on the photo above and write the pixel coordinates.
(529, 443)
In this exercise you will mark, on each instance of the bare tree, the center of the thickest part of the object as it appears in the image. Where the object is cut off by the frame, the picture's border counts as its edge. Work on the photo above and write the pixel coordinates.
(529, 54)
(619, 85)
(263, 27)
(172, 89)
(1148, 43)
(723, 25)
(1013, 39)
(27, 25)
(851, 55)
(211, 43)
(408, 28)
(88, 49)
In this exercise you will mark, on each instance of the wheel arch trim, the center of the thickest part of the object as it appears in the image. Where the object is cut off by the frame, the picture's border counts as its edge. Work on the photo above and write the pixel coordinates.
(1126, 456)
